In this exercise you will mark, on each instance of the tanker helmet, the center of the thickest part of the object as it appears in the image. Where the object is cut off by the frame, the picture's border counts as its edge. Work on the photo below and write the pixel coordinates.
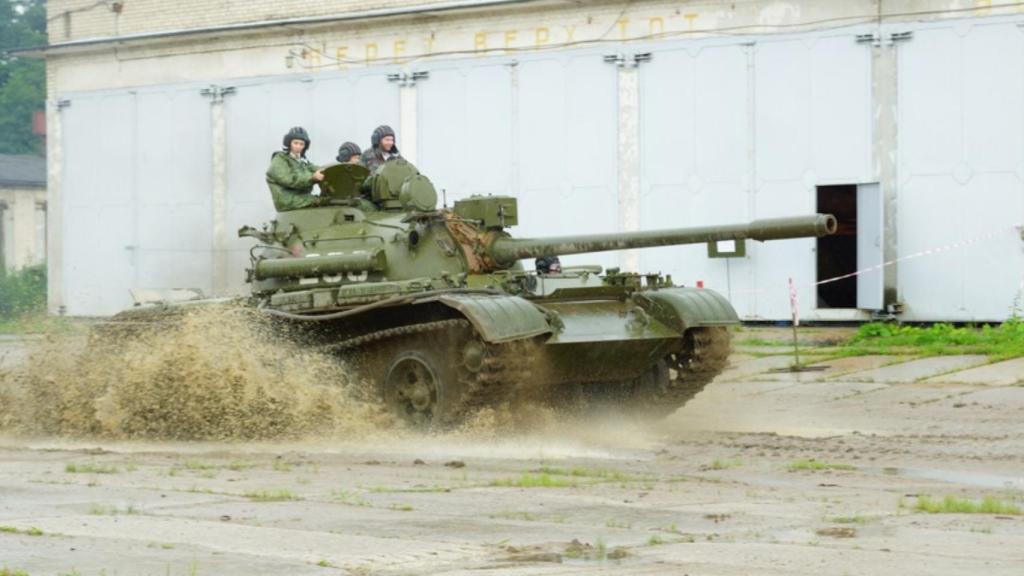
(379, 134)
(297, 133)
(347, 151)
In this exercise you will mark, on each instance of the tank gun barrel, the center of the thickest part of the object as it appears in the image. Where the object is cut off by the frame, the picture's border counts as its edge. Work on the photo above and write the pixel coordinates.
(506, 251)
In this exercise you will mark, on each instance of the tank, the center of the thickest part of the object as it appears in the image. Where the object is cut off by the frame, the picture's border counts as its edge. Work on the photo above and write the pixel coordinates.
(434, 307)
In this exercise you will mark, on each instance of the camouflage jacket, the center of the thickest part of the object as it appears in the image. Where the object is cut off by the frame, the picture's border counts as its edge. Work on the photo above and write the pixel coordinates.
(291, 181)
(373, 157)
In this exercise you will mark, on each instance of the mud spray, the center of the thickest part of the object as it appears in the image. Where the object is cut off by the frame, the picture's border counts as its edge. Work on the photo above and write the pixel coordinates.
(213, 374)
(224, 374)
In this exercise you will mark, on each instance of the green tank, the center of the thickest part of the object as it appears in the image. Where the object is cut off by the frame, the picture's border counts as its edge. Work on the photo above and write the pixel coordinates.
(434, 307)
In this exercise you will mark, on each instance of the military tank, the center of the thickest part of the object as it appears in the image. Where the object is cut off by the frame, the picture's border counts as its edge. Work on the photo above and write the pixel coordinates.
(435, 309)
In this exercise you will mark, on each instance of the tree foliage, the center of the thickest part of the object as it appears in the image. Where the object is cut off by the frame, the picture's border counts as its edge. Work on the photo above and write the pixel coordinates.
(22, 79)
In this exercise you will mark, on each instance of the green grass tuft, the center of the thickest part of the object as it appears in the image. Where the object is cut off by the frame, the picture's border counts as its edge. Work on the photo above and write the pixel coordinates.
(272, 496)
(953, 505)
(1001, 341)
(535, 481)
(90, 469)
(816, 465)
(719, 464)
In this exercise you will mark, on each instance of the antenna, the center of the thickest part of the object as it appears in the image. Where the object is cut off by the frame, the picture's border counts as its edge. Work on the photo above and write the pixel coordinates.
(444, 198)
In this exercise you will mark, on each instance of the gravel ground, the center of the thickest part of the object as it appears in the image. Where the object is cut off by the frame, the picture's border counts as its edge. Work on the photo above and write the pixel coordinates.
(724, 486)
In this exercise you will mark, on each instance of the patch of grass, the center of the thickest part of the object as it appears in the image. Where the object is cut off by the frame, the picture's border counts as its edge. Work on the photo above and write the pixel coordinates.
(718, 464)
(601, 474)
(857, 519)
(5, 571)
(816, 465)
(954, 505)
(535, 481)
(100, 510)
(1000, 341)
(280, 466)
(272, 496)
(655, 541)
(400, 507)
(239, 465)
(90, 469)
(348, 497)
(525, 516)
(33, 531)
(324, 564)
(615, 523)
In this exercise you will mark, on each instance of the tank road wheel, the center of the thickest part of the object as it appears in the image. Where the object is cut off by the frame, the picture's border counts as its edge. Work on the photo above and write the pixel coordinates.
(422, 387)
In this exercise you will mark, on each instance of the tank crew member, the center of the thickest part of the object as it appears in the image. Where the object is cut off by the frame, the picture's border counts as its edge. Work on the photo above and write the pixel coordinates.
(382, 148)
(349, 153)
(548, 265)
(291, 176)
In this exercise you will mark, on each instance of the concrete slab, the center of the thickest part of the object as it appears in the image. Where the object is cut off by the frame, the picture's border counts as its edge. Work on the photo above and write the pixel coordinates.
(917, 370)
(998, 374)
(837, 367)
(741, 370)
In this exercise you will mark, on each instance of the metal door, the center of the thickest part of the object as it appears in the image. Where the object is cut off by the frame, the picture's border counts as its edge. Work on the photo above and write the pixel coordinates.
(870, 286)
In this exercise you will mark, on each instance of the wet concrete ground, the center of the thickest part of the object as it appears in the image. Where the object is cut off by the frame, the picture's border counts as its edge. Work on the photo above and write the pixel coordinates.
(721, 487)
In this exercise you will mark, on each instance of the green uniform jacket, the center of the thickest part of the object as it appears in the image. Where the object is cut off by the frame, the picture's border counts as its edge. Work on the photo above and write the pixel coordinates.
(291, 181)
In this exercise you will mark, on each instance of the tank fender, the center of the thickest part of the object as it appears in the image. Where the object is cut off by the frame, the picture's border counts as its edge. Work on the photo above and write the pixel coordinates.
(682, 308)
(499, 318)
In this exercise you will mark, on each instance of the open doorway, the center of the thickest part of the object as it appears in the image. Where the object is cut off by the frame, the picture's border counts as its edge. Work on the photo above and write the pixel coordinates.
(837, 254)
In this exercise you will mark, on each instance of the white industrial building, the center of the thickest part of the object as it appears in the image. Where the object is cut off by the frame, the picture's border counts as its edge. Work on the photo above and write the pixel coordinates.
(22, 211)
(903, 117)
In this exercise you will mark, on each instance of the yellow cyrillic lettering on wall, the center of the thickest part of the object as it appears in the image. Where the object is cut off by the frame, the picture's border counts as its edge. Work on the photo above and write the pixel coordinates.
(655, 25)
(340, 56)
(371, 52)
(623, 23)
(510, 38)
(480, 41)
(570, 33)
(541, 36)
(399, 49)
(690, 18)
(430, 44)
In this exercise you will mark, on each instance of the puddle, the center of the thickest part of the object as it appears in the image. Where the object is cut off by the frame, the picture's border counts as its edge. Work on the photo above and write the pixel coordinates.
(957, 477)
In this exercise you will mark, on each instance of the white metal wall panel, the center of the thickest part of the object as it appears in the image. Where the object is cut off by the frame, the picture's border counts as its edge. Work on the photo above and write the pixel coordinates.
(812, 126)
(136, 196)
(566, 129)
(464, 116)
(694, 158)
(961, 168)
(98, 204)
(173, 180)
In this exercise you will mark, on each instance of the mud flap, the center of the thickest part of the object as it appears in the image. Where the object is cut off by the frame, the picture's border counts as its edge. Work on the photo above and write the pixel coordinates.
(499, 318)
(682, 308)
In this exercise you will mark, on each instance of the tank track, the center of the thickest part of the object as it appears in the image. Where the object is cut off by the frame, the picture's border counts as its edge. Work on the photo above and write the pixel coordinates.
(501, 369)
(704, 356)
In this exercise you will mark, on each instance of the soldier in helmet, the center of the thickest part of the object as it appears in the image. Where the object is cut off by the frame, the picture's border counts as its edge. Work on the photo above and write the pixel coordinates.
(349, 153)
(291, 176)
(548, 265)
(382, 148)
